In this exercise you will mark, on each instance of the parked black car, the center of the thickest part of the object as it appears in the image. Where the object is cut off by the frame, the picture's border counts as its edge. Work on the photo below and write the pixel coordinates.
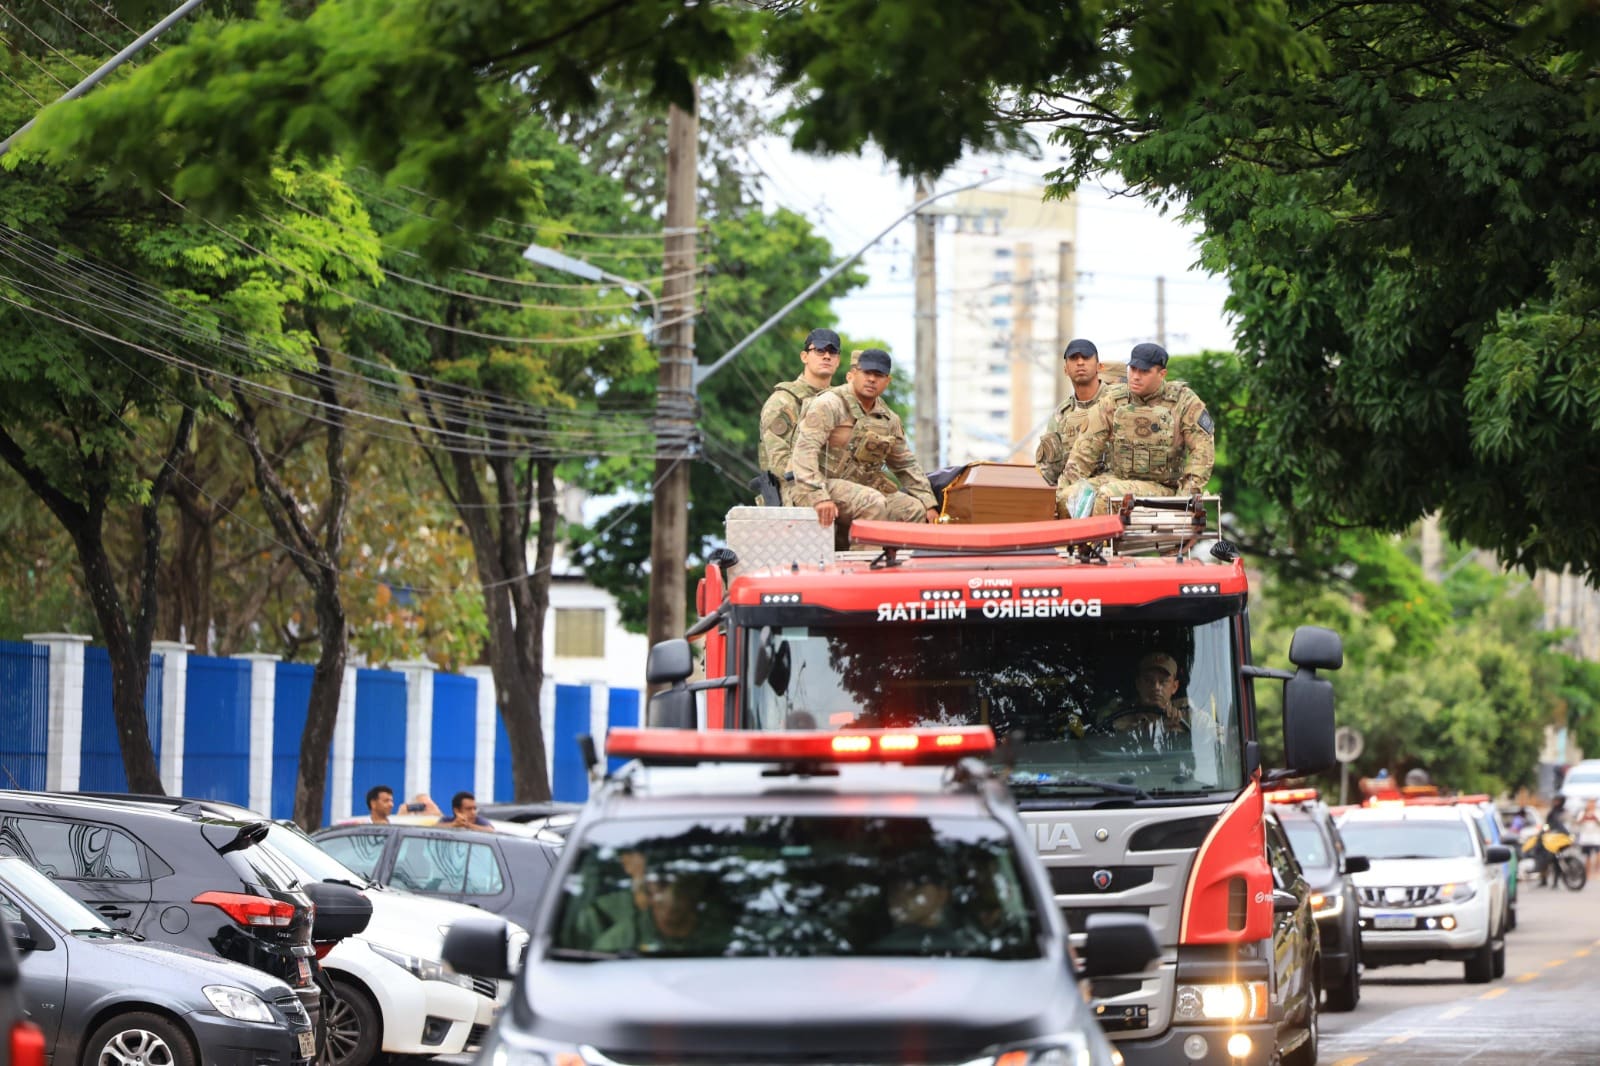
(179, 878)
(500, 872)
(1320, 851)
(101, 994)
(1297, 949)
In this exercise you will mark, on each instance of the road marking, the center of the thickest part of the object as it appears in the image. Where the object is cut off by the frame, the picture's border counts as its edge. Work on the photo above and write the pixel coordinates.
(1453, 1012)
(1581, 953)
(1493, 992)
(1353, 1060)
(1401, 1039)
(1527, 976)
(1553, 963)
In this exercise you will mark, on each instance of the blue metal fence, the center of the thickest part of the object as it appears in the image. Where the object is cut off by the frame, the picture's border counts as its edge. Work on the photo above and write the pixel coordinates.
(380, 741)
(568, 780)
(24, 714)
(291, 703)
(100, 769)
(216, 760)
(504, 788)
(622, 710)
(455, 734)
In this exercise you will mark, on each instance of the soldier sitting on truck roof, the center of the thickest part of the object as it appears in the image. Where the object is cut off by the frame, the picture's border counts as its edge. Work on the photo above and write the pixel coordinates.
(1081, 364)
(1154, 435)
(847, 437)
(780, 415)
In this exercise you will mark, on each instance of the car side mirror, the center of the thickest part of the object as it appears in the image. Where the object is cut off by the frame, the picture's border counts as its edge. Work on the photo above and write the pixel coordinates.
(479, 947)
(1284, 901)
(1496, 853)
(1117, 943)
(22, 936)
(1357, 864)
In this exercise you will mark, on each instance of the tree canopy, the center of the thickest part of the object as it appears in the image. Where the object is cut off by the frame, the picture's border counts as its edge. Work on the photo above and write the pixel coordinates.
(1409, 230)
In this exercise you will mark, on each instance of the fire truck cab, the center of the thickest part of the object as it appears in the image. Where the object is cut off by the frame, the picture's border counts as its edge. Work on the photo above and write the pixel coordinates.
(1116, 683)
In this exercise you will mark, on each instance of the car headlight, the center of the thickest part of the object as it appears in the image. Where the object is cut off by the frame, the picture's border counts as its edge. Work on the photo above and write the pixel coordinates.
(423, 969)
(238, 1004)
(1325, 905)
(1239, 1001)
(1457, 892)
(1062, 1049)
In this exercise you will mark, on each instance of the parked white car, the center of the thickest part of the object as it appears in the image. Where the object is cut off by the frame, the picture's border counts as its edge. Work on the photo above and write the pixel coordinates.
(1581, 784)
(1433, 889)
(395, 995)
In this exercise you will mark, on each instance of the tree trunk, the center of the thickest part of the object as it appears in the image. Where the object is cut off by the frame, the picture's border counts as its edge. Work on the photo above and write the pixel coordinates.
(516, 634)
(317, 558)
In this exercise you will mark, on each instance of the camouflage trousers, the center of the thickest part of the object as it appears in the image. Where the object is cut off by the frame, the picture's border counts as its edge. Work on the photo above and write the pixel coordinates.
(1109, 491)
(863, 501)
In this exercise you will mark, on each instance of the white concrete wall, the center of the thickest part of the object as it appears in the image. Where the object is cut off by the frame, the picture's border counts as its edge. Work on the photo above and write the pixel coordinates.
(622, 666)
(263, 693)
(64, 738)
(174, 710)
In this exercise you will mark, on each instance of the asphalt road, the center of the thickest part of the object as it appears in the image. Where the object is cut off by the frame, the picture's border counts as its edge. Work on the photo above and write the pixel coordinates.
(1542, 1012)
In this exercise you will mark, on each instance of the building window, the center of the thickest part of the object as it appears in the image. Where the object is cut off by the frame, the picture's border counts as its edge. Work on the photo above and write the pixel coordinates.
(1002, 275)
(1000, 299)
(1002, 253)
(580, 632)
(1000, 321)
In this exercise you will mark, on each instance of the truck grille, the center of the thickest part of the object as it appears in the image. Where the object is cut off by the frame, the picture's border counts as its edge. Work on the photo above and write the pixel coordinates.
(1080, 880)
(1400, 896)
(1078, 917)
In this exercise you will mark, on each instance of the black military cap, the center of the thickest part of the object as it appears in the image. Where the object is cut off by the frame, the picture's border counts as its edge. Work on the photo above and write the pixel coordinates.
(1078, 345)
(822, 338)
(1147, 356)
(875, 359)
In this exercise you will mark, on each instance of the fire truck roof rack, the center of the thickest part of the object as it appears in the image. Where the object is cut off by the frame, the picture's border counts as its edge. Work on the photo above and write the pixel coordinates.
(1164, 525)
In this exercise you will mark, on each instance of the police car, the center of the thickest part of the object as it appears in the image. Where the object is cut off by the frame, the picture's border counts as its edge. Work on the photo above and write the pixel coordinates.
(1433, 890)
(867, 896)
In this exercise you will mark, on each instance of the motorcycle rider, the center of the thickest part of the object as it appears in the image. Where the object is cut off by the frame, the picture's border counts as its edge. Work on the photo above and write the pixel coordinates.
(1544, 858)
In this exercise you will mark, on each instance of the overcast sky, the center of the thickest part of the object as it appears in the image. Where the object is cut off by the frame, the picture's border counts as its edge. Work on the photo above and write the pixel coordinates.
(1123, 247)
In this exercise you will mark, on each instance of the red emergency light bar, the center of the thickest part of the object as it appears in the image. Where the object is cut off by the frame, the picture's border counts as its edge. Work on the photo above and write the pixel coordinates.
(986, 537)
(1292, 795)
(855, 745)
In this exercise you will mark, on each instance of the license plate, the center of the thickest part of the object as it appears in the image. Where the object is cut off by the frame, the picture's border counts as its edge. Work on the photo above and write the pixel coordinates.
(308, 1045)
(305, 970)
(1394, 921)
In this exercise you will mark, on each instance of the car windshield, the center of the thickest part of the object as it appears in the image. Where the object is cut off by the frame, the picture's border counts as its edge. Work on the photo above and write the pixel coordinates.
(1076, 703)
(1408, 840)
(310, 860)
(46, 897)
(796, 886)
(1307, 841)
(1583, 777)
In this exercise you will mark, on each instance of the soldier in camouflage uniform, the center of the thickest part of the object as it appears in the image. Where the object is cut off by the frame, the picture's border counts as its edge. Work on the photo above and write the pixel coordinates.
(1081, 363)
(1154, 436)
(780, 415)
(847, 437)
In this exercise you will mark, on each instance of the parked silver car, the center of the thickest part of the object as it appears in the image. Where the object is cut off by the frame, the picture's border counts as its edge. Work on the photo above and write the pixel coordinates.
(152, 1004)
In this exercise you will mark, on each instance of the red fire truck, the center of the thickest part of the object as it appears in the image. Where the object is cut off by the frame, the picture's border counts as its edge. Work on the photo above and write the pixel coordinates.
(1117, 684)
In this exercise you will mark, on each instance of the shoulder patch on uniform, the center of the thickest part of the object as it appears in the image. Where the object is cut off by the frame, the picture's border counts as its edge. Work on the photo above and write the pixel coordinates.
(1207, 426)
(783, 425)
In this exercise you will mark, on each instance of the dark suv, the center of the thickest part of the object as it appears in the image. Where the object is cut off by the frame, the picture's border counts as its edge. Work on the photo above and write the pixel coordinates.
(196, 882)
(1320, 850)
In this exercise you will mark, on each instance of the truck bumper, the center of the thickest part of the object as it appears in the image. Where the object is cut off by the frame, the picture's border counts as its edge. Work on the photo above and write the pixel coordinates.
(1181, 1045)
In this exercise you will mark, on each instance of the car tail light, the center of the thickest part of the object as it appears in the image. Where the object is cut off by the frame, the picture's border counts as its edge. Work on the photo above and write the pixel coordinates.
(250, 910)
(27, 1045)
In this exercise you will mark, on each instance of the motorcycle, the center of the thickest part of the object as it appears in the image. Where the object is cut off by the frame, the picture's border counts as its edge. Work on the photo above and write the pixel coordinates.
(1556, 856)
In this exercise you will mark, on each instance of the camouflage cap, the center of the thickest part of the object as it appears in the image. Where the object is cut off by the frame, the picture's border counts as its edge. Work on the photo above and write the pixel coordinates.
(1161, 659)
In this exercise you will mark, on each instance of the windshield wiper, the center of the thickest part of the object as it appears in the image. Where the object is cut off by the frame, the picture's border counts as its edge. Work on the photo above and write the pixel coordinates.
(101, 931)
(347, 881)
(1116, 788)
(583, 955)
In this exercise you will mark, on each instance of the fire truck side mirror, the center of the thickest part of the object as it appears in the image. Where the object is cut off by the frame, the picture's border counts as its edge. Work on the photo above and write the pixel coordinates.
(670, 662)
(673, 708)
(1308, 722)
(1316, 648)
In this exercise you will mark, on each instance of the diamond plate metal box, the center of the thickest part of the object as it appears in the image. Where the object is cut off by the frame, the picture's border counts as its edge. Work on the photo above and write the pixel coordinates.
(776, 538)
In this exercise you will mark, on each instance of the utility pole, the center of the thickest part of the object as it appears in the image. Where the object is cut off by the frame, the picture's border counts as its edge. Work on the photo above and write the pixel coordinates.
(1161, 310)
(675, 402)
(1066, 307)
(927, 321)
(1021, 344)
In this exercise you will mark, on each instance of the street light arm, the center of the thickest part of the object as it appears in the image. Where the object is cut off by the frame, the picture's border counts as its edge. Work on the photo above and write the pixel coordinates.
(703, 372)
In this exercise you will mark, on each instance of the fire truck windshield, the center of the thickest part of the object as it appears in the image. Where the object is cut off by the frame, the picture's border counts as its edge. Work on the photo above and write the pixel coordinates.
(1082, 708)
